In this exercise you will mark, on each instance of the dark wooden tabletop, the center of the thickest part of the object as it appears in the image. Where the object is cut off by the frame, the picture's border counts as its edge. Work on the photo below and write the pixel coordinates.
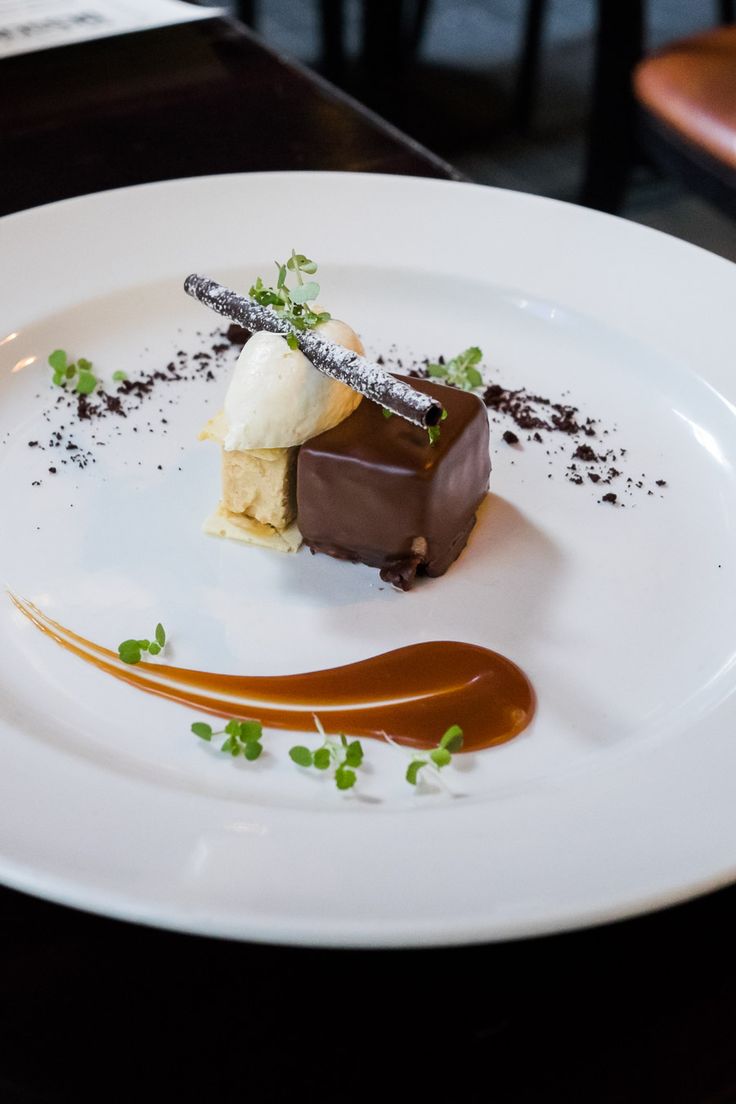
(181, 101)
(643, 1010)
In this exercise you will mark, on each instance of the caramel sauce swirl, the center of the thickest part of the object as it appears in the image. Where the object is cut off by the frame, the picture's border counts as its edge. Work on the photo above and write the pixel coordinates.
(413, 694)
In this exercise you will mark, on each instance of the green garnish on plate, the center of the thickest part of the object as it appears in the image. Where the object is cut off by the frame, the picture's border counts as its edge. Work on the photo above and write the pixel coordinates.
(439, 757)
(77, 373)
(292, 303)
(343, 755)
(242, 737)
(461, 370)
(131, 651)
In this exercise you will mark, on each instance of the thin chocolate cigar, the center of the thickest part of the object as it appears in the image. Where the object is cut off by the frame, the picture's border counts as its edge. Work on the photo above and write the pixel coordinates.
(335, 361)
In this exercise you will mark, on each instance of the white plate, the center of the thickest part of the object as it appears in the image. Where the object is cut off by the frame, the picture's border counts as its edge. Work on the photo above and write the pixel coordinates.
(618, 798)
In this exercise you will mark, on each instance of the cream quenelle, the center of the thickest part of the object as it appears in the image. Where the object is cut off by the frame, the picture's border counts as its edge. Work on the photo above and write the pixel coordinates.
(278, 399)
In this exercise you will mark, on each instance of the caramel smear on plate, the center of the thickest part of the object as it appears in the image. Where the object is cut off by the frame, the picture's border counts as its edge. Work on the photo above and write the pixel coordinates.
(413, 694)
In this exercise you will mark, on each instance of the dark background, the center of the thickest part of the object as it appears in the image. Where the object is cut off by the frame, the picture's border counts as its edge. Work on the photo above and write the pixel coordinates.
(459, 96)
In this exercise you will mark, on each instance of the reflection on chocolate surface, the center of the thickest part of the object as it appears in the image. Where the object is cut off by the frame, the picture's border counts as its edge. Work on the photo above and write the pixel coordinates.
(373, 490)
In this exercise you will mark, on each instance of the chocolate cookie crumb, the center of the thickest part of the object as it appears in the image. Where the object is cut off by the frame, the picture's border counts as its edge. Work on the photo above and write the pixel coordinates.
(585, 453)
(610, 497)
(237, 335)
(510, 438)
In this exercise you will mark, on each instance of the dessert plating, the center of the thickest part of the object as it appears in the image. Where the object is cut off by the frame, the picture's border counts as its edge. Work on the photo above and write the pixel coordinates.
(397, 493)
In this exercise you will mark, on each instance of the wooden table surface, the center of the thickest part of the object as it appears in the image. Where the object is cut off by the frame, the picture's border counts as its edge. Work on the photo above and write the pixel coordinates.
(181, 101)
(643, 1010)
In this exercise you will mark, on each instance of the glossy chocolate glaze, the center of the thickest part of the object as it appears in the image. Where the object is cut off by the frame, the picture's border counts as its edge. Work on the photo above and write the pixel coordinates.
(373, 490)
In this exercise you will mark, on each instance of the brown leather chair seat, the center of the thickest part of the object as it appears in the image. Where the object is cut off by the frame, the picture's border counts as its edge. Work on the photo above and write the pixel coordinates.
(690, 86)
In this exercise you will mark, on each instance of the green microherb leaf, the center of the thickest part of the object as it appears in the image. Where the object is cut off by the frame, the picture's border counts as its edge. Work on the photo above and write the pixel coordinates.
(204, 731)
(241, 737)
(129, 651)
(292, 303)
(433, 432)
(452, 739)
(119, 375)
(86, 383)
(305, 292)
(341, 755)
(322, 758)
(440, 756)
(79, 375)
(58, 360)
(413, 770)
(461, 370)
(387, 413)
(299, 263)
(354, 754)
(344, 778)
(250, 731)
(301, 755)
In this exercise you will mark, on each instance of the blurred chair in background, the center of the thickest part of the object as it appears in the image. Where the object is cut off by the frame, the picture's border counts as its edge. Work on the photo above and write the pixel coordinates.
(686, 94)
(536, 13)
(390, 37)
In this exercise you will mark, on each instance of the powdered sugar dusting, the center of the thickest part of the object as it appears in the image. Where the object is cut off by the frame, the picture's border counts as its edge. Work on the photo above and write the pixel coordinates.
(340, 364)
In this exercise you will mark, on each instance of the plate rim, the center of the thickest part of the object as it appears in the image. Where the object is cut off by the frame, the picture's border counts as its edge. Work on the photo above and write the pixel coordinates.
(25, 879)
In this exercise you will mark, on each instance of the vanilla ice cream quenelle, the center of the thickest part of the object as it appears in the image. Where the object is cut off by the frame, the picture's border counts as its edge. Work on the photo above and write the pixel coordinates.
(275, 402)
(278, 399)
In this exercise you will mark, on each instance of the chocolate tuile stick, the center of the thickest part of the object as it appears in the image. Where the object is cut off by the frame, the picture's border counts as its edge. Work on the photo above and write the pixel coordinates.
(340, 364)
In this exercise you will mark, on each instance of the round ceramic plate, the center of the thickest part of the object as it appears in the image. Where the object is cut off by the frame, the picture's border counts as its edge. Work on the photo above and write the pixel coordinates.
(617, 799)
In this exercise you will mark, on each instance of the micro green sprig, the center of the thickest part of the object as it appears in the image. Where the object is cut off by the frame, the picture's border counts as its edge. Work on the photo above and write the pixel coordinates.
(461, 370)
(340, 754)
(439, 757)
(77, 373)
(292, 303)
(433, 432)
(131, 651)
(241, 737)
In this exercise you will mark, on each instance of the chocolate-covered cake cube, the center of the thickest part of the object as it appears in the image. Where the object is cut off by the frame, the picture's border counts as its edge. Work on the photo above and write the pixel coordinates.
(374, 490)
